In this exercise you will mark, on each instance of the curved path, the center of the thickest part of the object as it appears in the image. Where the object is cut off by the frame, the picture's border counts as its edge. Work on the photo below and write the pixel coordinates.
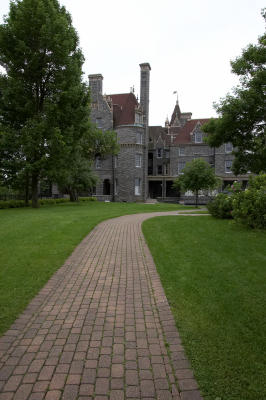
(101, 327)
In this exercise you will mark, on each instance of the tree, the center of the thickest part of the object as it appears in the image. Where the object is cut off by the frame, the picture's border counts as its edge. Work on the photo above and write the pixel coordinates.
(242, 114)
(197, 175)
(75, 174)
(44, 105)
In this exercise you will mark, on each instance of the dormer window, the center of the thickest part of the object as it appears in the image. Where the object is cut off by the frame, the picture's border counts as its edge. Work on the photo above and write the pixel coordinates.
(198, 137)
(138, 119)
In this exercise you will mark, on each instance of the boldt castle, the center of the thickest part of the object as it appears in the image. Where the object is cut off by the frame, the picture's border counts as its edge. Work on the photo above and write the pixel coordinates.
(150, 157)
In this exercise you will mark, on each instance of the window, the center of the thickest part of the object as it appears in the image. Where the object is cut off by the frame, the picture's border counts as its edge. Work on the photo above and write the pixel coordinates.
(115, 161)
(139, 138)
(138, 119)
(198, 137)
(228, 166)
(116, 186)
(98, 162)
(181, 151)
(137, 186)
(159, 169)
(99, 123)
(159, 153)
(167, 154)
(166, 169)
(181, 166)
(138, 158)
(228, 147)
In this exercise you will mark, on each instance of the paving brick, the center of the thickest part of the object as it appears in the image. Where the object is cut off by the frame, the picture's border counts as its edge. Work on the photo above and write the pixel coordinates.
(58, 381)
(70, 392)
(102, 386)
(86, 390)
(53, 395)
(147, 388)
(117, 395)
(191, 395)
(23, 392)
(12, 383)
(46, 373)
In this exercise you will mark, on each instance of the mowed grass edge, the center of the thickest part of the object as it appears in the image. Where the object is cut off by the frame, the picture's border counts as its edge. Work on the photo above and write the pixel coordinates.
(35, 243)
(214, 276)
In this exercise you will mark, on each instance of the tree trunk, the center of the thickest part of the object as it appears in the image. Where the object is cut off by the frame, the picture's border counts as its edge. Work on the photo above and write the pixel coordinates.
(197, 193)
(73, 195)
(35, 202)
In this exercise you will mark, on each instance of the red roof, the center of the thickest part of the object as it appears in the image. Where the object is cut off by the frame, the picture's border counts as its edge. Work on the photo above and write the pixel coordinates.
(182, 135)
(124, 108)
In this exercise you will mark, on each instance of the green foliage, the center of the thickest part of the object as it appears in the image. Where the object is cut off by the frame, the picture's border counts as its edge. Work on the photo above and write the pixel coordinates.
(12, 204)
(44, 105)
(249, 206)
(242, 114)
(87, 199)
(197, 175)
(221, 206)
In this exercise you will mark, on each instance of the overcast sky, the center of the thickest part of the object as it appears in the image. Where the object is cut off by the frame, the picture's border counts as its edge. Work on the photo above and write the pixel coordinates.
(188, 43)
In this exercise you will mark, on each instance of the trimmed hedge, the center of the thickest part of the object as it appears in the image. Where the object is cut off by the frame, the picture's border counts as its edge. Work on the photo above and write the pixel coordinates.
(21, 203)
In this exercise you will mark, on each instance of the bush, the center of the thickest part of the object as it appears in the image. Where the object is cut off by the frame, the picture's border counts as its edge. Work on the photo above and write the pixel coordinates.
(249, 207)
(12, 204)
(221, 206)
(87, 199)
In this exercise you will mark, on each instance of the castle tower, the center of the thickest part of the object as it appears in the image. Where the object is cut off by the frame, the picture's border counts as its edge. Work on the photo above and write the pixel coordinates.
(145, 90)
(96, 86)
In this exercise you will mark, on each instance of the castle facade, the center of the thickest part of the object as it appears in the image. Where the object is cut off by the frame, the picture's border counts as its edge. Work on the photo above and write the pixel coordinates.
(150, 157)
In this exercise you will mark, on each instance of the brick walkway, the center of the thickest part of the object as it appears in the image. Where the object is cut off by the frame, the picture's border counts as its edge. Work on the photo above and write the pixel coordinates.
(101, 328)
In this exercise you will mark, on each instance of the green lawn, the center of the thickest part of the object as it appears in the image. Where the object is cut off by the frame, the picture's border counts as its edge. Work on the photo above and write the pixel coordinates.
(35, 243)
(214, 275)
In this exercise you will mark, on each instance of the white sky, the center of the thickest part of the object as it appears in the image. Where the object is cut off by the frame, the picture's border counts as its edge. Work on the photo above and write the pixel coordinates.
(188, 43)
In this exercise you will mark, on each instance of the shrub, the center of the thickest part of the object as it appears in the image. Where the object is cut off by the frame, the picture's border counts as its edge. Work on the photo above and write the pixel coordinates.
(12, 204)
(221, 206)
(249, 207)
(87, 199)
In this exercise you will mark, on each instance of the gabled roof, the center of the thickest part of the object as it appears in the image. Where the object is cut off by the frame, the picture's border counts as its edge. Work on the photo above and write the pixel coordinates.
(124, 108)
(183, 135)
(157, 132)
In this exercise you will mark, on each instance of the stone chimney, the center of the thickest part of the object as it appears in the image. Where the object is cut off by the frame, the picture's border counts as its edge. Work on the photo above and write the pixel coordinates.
(96, 86)
(145, 90)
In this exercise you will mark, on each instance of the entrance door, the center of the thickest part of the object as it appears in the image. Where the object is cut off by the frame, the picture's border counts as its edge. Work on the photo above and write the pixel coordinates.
(106, 187)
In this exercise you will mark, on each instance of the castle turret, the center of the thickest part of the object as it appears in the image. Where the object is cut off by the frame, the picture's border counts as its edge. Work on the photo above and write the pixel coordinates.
(145, 90)
(96, 86)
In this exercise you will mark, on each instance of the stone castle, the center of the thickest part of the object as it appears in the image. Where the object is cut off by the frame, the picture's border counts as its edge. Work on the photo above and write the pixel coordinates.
(150, 157)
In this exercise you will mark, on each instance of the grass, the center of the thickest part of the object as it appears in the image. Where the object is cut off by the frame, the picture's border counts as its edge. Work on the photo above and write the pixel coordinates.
(35, 243)
(214, 276)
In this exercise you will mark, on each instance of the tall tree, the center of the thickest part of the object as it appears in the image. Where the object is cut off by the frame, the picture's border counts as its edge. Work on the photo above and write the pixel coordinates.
(197, 175)
(44, 106)
(242, 115)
